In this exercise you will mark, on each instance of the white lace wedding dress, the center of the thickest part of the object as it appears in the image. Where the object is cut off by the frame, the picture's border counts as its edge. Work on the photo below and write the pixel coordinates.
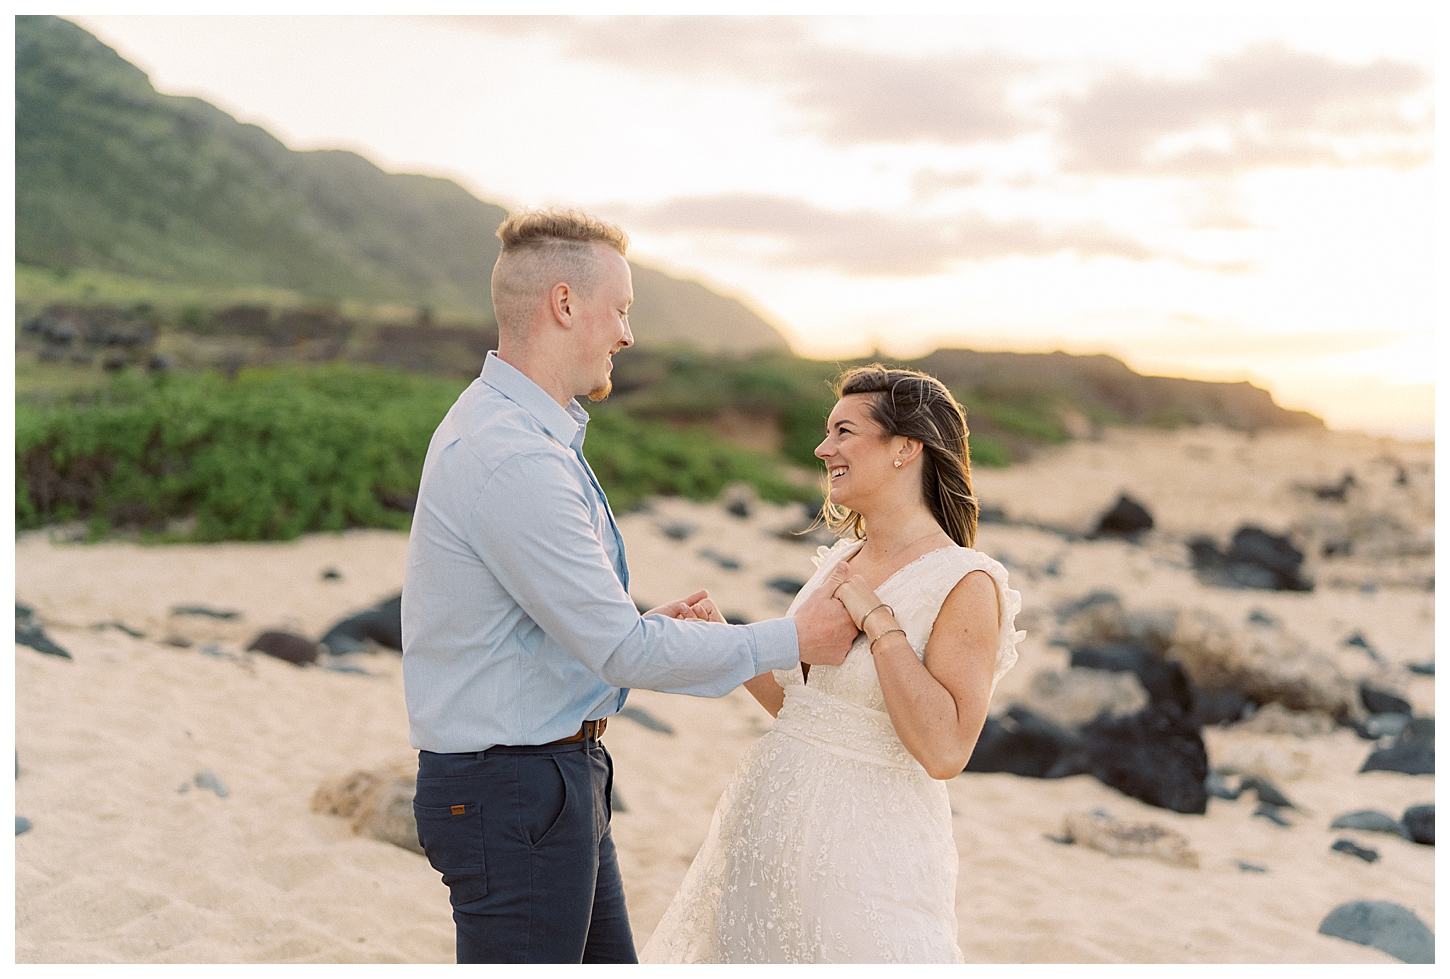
(831, 843)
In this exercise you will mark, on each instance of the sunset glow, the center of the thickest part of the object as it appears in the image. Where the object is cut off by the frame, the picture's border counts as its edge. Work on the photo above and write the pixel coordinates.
(1228, 198)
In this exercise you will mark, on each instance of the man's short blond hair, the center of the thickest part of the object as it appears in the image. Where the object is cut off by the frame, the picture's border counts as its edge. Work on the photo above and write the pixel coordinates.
(542, 248)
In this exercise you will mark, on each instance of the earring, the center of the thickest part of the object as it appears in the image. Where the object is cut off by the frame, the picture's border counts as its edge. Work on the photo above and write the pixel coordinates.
(897, 463)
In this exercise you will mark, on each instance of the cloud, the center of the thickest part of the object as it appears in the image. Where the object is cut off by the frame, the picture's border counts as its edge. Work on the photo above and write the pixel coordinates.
(1265, 107)
(847, 97)
(865, 243)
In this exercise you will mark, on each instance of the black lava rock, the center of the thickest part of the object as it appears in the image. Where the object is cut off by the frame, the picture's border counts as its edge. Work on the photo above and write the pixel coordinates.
(294, 649)
(1217, 786)
(1156, 755)
(1424, 669)
(1355, 850)
(32, 635)
(1411, 757)
(383, 624)
(1021, 743)
(202, 610)
(1164, 680)
(1419, 823)
(1388, 927)
(1267, 792)
(22, 825)
(1255, 559)
(1368, 821)
(1218, 706)
(786, 586)
(1381, 702)
(1272, 814)
(1126, 519)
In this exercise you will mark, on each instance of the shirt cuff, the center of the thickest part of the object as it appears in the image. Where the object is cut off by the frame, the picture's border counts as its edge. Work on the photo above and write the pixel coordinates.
(777, 647)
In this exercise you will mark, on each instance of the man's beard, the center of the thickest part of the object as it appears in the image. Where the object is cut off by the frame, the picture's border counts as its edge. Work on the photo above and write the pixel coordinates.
(602, 392)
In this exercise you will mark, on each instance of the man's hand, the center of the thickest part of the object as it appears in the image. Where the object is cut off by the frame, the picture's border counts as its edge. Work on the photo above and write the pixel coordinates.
(684, 608)
(823, 626)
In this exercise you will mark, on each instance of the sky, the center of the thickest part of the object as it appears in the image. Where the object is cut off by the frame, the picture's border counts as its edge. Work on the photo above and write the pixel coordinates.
(1226, 197)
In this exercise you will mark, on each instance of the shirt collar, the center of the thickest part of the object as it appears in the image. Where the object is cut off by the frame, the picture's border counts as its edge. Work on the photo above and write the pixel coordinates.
(564, 425)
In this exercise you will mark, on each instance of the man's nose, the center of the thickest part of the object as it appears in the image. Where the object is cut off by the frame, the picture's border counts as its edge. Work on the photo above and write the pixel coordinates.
(628, 338)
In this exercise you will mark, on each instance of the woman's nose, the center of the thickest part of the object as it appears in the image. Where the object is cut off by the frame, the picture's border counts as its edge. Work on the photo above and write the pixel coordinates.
(821, 451)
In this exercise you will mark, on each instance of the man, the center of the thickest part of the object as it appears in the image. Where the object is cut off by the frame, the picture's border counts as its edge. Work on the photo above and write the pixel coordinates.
(519, 635)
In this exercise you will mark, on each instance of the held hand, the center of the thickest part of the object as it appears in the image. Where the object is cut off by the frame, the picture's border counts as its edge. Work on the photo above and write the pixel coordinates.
(707, 611)
(823, 626)
(684, 607)
(855, 594)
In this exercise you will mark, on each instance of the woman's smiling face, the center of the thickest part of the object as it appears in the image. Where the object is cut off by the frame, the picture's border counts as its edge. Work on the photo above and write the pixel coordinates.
(857, 455)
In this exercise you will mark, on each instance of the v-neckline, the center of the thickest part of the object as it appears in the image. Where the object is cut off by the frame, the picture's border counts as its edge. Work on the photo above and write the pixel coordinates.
(892, 576)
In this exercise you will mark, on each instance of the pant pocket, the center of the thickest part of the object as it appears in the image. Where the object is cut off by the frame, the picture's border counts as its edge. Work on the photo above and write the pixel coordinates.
(452, 840)
(543, 798)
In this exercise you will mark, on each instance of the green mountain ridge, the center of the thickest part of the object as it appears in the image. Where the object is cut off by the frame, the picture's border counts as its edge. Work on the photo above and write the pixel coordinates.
(113, 176)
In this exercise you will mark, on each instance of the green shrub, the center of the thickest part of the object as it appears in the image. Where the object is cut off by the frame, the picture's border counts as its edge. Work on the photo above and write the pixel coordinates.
(287, 450)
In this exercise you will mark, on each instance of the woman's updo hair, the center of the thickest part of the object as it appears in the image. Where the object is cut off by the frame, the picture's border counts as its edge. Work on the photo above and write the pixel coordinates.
(917, 406)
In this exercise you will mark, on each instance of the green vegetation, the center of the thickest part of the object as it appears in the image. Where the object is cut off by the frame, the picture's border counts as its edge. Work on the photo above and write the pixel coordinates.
(282, 451)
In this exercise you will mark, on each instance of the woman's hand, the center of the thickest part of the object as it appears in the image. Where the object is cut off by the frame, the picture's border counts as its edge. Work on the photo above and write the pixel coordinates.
(853, 592)
(706, 611)
(684, 607)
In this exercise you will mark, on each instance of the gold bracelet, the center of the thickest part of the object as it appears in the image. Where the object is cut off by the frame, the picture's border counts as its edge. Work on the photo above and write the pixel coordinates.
(872, 644)
(868, 614)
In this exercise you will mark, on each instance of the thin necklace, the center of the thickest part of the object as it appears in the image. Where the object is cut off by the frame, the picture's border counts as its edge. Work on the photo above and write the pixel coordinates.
(909, 543)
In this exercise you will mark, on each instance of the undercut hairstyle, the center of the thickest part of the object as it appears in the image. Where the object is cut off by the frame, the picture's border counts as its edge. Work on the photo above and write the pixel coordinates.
(917, 406)
(540, 250)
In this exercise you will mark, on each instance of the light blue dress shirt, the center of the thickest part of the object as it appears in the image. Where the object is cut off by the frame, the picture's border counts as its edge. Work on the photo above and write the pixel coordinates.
(517, 620)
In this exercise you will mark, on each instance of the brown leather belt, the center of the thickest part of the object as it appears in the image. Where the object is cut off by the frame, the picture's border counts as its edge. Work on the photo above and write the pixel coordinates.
(589, 729)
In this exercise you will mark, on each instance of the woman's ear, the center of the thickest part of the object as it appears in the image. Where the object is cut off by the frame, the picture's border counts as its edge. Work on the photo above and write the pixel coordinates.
(909, 450)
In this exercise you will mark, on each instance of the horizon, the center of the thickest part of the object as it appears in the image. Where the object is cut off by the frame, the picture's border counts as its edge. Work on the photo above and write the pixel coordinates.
(1118, 185)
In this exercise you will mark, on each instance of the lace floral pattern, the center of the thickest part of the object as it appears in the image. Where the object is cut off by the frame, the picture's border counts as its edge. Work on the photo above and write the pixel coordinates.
(831, 843)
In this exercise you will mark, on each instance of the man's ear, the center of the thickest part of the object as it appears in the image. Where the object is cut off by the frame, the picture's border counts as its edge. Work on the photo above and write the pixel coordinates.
(561, 304)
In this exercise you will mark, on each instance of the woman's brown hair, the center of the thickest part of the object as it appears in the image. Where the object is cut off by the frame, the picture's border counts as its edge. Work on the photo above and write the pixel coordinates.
(917, 406)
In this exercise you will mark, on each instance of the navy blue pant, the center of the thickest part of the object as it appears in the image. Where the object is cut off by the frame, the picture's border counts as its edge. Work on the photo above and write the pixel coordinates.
(521, 837)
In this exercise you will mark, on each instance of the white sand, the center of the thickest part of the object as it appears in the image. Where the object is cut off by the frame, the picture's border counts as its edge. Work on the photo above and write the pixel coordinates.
(122, 867)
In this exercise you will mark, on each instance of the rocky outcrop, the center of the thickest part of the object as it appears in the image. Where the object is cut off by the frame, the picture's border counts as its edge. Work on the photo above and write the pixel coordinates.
(379, 803)
(1100, 831)
(1388, 927)
(1265, 665)
(1255, 559)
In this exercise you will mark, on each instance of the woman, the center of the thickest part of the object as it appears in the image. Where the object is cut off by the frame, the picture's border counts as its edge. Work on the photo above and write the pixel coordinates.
(833, 840)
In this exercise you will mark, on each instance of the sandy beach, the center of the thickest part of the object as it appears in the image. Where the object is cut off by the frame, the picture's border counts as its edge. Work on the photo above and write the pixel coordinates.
(130, 860)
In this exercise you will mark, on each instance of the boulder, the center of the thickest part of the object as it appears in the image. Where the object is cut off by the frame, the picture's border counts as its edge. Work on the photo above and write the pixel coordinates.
(1255, 559)
(1388, 927)
(379, 803)
(1412, 754)
(1073, 697)
(29, 633)
(383, 624)
(1265, 665)
(1382, 702)
(1355, 850)
(1272, 814)
(1126, 519)
(294, 649)
(1368, 821)
(1156, 755)
(1278, 719)
(1021, 743)
(1378, 726)
(1419, 823)
(1219, 706)
(1163, 680)
(1102, 832)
